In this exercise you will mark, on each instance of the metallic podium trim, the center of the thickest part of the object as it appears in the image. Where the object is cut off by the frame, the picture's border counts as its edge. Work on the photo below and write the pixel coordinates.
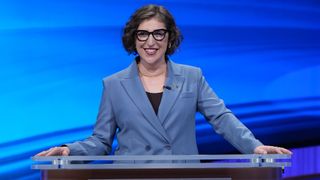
(133, 162)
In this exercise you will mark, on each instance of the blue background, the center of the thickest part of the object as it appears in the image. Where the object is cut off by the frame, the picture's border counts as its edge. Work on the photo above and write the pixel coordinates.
(261, 57)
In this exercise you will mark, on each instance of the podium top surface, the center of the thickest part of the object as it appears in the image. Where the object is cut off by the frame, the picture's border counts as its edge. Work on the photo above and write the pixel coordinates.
(162, 161)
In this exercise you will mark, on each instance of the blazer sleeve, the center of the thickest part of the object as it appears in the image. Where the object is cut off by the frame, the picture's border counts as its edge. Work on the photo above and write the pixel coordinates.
(100, 142)
(224, 122)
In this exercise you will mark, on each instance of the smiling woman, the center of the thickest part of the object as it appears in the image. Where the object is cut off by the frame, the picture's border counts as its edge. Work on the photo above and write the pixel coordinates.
(262, 57)
(144, 101)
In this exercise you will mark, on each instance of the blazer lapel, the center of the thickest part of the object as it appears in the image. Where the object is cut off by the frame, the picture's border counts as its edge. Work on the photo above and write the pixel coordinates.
(169, 97)
(136, 92)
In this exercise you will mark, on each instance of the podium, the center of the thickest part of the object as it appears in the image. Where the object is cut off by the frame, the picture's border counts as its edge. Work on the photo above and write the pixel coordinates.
(156, 167)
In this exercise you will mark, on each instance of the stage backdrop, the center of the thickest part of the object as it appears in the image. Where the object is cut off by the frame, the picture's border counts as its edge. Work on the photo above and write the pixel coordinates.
(261, 57)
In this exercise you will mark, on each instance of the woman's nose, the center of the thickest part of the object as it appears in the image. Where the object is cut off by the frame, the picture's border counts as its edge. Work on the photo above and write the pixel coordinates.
(151, 41)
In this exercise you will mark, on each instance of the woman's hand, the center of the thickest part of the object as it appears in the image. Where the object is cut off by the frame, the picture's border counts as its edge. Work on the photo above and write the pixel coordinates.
(55, 151)
(271, 150)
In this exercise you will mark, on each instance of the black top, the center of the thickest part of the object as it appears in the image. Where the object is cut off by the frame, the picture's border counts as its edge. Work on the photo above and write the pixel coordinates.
(155, 99)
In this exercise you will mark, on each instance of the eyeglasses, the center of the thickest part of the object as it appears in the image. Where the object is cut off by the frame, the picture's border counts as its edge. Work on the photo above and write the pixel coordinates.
(158, 34)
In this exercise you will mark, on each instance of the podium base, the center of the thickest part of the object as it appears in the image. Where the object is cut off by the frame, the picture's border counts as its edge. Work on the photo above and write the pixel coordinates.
(167, 174)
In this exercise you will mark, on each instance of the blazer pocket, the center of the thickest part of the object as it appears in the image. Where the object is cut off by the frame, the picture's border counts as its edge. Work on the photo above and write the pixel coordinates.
(187, 94)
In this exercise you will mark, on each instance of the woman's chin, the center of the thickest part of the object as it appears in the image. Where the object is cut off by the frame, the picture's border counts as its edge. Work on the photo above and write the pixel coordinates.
(151, 59)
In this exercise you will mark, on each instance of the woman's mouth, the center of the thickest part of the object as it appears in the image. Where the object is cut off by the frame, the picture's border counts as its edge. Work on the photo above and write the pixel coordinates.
(150, 51)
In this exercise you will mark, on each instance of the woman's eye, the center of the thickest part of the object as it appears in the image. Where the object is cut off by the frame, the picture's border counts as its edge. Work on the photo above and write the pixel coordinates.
(143, 33)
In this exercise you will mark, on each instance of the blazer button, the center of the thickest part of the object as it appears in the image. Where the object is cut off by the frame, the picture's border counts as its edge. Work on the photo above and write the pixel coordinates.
(147, 148)
(168, 146)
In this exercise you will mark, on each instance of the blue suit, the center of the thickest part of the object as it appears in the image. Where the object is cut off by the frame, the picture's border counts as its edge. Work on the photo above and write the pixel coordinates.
(125, 111)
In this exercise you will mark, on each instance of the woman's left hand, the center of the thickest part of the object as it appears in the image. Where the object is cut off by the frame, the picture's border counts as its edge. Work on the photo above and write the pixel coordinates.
(271, 150)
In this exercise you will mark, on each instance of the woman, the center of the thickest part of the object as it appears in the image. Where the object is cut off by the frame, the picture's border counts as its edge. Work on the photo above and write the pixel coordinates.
(151, 105)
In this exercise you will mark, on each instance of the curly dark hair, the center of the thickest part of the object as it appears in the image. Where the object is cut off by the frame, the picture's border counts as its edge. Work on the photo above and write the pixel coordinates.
(145, 13)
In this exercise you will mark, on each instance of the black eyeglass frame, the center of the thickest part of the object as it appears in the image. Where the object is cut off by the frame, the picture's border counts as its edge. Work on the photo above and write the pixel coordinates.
(153, 34)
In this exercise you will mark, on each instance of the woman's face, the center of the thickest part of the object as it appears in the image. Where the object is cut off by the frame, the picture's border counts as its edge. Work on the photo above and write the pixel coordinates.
(151, 47)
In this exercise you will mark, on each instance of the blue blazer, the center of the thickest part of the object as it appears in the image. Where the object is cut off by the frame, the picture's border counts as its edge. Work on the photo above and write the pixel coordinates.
(125, 111)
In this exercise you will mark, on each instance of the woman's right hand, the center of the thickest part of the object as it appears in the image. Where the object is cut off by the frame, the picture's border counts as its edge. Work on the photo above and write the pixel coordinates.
(55, 151)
